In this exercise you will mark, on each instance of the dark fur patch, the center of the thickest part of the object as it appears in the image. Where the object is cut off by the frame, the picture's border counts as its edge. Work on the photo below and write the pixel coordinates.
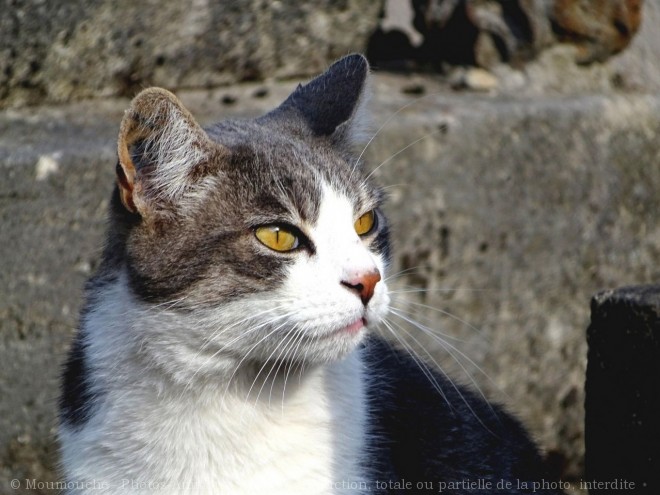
(417, 435)
(381, 243)
(76, 397)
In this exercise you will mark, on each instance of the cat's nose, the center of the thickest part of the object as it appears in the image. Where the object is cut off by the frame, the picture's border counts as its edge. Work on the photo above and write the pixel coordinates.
(363, 285)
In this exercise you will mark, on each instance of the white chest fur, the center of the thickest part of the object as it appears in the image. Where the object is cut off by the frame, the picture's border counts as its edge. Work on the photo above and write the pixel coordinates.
(146, 442)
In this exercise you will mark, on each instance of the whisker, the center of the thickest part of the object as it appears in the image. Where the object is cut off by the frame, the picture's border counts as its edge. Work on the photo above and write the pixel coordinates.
(225, 329)
(450, 349)
(227, 344)
(391, 186)
(400, 273)
(171, 303)
(399, 311)
(299, 339)
(420, 363)
(281, 358)
(266, 361)
(413, 290)
(290, 348)
(245, 356)
(387, 121)
(456, 389)
(391, 157)
(446, 313)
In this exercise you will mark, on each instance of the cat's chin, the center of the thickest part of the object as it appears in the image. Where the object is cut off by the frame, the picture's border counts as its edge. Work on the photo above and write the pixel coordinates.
(355, 327)
(336, 344)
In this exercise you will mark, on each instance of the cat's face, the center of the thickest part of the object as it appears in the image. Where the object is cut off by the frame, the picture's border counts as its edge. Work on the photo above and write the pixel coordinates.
(263, 235)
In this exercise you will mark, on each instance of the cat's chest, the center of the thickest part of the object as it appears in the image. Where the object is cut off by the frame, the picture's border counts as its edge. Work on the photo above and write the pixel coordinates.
(308, 452)
(311, 442)
(306, 446)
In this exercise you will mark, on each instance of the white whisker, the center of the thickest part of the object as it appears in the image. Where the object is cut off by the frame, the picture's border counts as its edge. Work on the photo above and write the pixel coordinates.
(400, 273)
(283, 340)
(391, 157)
(456, 389)
(417, 290)
(387, 121)
(298, 339)
(446, 313)
(420, 363)
(249, 351)
(283, 359)
(398, 312)
(231, 342)
(450, 349)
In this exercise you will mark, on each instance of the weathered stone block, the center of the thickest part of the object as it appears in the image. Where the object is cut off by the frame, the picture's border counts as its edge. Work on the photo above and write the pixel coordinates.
(62, 51)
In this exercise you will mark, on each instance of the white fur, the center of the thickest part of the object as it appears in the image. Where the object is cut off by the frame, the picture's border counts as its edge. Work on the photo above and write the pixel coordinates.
(179, 409)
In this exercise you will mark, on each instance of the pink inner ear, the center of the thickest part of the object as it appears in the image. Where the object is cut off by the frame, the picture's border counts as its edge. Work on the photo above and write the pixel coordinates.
(126, 186)
(126, 168)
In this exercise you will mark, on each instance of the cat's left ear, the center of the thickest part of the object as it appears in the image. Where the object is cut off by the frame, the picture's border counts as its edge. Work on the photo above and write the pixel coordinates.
(332, 104)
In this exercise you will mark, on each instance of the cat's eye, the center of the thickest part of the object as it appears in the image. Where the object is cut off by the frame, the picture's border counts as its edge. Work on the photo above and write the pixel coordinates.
(366, 223)
(277, 237)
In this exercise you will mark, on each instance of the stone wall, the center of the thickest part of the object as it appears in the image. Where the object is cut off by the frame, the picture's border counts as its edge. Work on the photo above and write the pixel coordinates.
(510, 210)
(63, 51)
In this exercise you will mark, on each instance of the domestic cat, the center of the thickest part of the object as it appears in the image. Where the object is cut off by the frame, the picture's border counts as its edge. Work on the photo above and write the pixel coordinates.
(225, 343)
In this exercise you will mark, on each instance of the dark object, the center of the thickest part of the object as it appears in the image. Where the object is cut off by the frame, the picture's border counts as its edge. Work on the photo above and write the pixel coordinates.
(480, 32)
(414, 89)
(392, 50)
(261, 92)
(600, 31)
(228, 99)
(486, 33)
(623, 390)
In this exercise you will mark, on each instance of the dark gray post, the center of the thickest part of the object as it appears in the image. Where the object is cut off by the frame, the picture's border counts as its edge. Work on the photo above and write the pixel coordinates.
(622, 423)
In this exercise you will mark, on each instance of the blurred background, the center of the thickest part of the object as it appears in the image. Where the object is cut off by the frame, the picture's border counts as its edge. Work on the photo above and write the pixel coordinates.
(520, 151)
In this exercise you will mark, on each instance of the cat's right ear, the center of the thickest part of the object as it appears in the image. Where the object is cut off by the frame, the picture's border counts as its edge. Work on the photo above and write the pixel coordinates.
(159, 146)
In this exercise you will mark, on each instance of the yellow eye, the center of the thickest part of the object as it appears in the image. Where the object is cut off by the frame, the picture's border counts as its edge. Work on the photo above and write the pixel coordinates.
(365, 223)
(277, 238)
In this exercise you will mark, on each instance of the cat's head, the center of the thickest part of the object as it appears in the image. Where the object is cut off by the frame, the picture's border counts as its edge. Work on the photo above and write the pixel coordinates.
(265, 235)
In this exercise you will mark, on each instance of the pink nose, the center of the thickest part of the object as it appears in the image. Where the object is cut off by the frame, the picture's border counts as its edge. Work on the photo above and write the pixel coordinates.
(363, 285)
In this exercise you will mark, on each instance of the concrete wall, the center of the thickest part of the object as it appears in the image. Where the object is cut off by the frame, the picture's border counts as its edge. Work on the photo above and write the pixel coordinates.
(511, 211)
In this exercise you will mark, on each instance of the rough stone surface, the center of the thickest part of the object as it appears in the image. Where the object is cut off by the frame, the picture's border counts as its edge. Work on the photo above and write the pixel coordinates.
(623, 377)
(508, 214)
(554, 70)
(61, 51)
(637, 66)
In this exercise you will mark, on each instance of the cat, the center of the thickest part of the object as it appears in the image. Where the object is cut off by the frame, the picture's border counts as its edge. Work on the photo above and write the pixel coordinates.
(226, 346)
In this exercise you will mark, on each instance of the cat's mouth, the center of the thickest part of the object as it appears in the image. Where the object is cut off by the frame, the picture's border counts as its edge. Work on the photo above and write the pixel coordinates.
(354, 327)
